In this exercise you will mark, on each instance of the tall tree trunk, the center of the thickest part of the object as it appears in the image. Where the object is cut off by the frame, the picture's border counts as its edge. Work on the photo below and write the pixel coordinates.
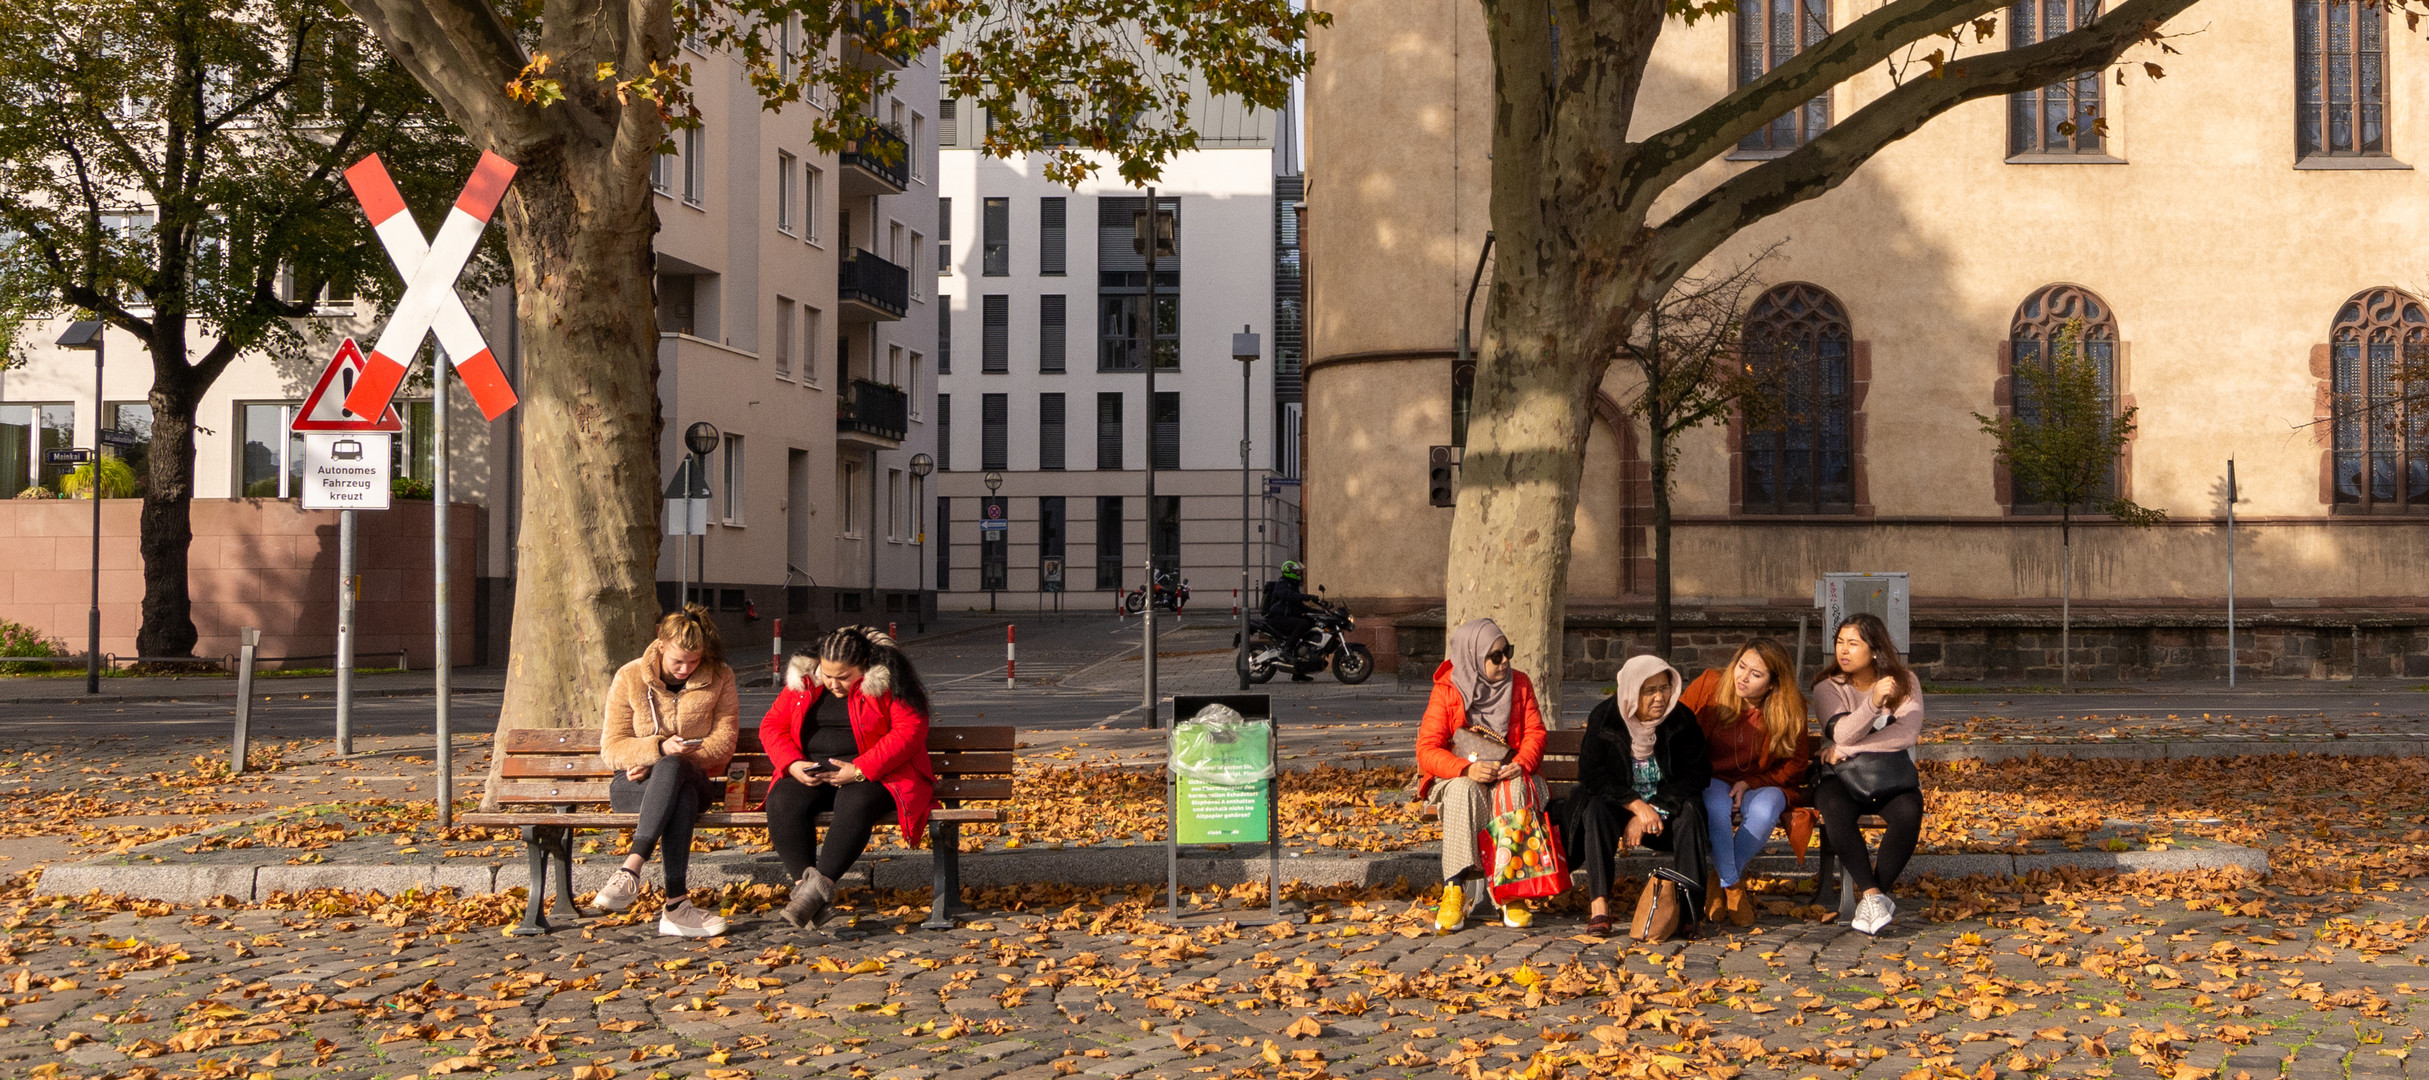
(1511, 538)
(167, 532)
(579, 224)
(1659, 463)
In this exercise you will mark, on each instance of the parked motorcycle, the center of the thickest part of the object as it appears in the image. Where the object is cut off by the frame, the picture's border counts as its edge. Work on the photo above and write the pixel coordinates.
(1326, 644)
(1170, 595)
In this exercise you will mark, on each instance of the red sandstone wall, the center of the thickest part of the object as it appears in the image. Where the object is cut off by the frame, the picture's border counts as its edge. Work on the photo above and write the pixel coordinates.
(254, 562)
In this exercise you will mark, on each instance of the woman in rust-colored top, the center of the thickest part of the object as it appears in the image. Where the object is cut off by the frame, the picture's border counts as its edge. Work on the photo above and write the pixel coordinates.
(1754, 721)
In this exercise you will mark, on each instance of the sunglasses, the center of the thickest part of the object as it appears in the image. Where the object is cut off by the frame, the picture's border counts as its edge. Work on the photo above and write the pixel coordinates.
(1498, 656)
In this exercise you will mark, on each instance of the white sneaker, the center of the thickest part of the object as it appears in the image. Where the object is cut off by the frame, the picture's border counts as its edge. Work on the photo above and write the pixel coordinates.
(1873, 913)
(622, 888)
(684, 920)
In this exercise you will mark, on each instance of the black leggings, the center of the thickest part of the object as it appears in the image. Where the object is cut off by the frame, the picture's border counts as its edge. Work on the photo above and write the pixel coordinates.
(668, 802)
(1840, 808)
(1597, 834)
(792, 823)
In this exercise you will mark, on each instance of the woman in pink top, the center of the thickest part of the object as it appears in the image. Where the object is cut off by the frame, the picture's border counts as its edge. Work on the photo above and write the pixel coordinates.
(1868, 702)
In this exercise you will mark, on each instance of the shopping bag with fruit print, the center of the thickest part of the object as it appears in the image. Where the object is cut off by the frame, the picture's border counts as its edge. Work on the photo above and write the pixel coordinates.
(1525, 853)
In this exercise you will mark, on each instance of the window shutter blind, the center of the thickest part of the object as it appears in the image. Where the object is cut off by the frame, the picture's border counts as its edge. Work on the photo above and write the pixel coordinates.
(995, 347)
(1050, 431)
(991, 422)
(1050, 235)
(1109, 431)
(1050, 317)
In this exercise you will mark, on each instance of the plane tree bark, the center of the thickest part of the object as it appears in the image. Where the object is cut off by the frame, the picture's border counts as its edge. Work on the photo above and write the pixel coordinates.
(1581, 253)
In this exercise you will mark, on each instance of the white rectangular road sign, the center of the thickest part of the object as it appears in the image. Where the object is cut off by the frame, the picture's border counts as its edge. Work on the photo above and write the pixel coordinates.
(346, 471)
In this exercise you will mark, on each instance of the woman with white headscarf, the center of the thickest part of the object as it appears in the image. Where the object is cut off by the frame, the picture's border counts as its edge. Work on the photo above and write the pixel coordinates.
(1640, 782)
(1481, 728)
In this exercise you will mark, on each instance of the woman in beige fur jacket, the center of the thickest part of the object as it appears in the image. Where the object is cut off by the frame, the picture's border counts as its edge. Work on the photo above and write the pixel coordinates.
(672, 721)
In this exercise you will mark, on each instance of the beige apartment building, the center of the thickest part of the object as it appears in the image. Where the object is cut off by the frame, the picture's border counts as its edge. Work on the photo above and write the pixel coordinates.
(2244, 243)
(797, 311)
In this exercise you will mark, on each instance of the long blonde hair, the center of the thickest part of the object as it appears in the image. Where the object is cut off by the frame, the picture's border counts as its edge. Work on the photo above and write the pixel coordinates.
(1783, 708)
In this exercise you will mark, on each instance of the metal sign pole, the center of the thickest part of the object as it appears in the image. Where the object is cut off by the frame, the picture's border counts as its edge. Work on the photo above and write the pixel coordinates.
(2231, 575)
(438, 533)
(345, 633)
(1147, 628)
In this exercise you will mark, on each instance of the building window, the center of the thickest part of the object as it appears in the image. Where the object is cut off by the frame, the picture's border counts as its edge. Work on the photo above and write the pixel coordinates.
(1050, 431)
(2340, 77)
(1051, 234)
(662, 169)
(894, 506)
(847, 483)
(918, 362)
(944, 339)
(1167, 429)
(2045, 317)
(944, 433)
(919, 243)
(919, 141)
(783, 352)
(996, 237)
(1050, 318)
(1797, 335)
(948, 122)
(944, 545)
(813, 328)
(993, 434)
(944, 238)
(1052, 524)
(1109, 542)
(813, 196)
(1109, 430)
(784, 192)
(734, 490)
(133, 417)
(995, 340)
(1770, 34)
(2063, 117)
(695, 165)
(1122, 330)
(2376, 353)
(270, 461)
(1165, 536)
(28, 430)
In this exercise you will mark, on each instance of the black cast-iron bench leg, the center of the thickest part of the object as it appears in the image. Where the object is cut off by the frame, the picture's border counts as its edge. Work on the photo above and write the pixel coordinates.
(539, 842)
(944, 844)
(565, 876)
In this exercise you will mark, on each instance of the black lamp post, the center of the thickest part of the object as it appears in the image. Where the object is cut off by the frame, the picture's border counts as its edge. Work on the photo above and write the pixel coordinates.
(700, 439)
(1002, 541)
(1244, 348)
(921, 466)
(86, 335)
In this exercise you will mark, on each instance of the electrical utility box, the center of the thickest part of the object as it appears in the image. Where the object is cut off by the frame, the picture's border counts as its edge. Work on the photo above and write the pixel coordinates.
(1877, 593)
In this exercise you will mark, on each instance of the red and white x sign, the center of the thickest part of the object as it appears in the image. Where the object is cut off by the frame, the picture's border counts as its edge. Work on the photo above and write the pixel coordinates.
(430, 301)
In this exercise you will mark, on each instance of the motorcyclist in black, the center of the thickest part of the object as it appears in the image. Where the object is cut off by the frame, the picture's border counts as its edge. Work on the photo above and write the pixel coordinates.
(1286, 604)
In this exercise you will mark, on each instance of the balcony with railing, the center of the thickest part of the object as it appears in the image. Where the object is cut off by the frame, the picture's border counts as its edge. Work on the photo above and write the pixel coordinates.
(875, 411)
(877, 163)
(870, 289)
(874, 22)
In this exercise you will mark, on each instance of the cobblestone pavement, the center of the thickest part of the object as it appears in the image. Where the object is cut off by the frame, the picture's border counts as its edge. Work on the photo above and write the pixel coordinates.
(2070, 981)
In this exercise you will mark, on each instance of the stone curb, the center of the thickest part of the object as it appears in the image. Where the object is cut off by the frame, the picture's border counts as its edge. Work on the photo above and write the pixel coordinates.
(2173, 749)
(1102, 867)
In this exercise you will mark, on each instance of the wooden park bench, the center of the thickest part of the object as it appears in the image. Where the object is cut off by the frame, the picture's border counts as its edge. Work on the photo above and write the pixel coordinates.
(553, 784)
(1559, 775)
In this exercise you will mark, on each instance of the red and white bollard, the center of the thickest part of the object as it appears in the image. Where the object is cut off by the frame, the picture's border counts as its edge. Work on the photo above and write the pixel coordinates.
(1007, 656)
(889, 629)
(775, 663)
(1235, 603)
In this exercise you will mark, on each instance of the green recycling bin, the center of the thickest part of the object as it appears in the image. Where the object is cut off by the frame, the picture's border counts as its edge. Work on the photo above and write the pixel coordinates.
(1223, 773)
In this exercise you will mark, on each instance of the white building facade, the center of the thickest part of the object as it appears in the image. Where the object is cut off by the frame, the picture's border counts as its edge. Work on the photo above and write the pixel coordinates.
(797, 312)
(1042, 384)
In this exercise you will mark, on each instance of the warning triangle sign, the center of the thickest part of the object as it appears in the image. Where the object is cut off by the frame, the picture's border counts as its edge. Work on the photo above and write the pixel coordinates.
(325, 408)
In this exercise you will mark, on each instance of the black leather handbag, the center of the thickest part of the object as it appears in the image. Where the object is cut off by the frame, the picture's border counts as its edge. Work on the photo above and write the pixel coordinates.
(1877, 775)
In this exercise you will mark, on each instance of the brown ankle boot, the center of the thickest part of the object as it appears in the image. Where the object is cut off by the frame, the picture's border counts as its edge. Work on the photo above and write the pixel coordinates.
(1715, 900)
(1741, 905)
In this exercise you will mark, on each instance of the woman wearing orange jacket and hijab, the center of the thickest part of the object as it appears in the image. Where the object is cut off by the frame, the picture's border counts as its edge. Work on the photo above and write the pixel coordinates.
(1482, 727)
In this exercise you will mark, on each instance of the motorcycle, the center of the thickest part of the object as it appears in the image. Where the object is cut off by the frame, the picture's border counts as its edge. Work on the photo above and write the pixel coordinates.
(1326, 644)
(1169, 595)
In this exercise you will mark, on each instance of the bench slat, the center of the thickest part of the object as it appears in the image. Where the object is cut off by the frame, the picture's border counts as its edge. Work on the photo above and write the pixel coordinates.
(585, 740)
(550, 792)
(749, 820)
(571, 766)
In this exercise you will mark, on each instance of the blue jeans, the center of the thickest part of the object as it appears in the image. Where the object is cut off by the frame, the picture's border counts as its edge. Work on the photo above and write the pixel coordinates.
(1732, 851)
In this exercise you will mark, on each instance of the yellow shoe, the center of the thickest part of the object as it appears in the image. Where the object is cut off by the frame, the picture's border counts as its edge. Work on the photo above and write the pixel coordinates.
(1517, 915)
(1454, 910)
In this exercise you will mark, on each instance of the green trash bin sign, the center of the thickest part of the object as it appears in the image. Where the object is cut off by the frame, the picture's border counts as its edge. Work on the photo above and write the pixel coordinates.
(1223, 773)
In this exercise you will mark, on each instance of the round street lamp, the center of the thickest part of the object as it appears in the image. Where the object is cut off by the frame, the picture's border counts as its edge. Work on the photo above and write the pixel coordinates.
(700, 438)
(922, 464)
(995, 481)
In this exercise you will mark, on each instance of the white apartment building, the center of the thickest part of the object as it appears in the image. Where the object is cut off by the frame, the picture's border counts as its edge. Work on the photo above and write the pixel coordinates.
(1042, 359)
(797, 311)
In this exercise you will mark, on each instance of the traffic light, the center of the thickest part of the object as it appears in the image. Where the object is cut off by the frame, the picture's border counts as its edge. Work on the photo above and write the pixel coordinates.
(1441, 476)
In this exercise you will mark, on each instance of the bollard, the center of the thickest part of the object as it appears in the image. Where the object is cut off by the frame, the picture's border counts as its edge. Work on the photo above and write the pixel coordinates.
(1007, 656)
(775, 663)
(890, 629)
(248, 639)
